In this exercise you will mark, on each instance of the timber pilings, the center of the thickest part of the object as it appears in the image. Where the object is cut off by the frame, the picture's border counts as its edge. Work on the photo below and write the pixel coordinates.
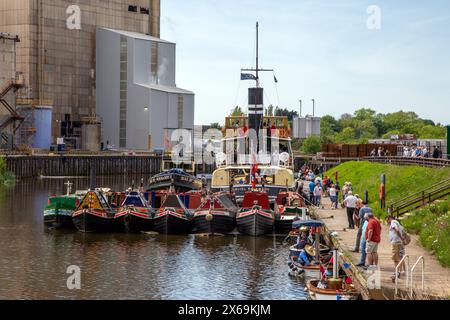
(79, 165)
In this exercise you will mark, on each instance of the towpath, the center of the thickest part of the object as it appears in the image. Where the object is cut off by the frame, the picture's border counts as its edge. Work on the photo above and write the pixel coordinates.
(437, 277)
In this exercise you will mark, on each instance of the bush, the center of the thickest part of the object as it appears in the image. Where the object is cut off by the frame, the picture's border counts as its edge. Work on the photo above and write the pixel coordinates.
(432, 224)
(311, 145)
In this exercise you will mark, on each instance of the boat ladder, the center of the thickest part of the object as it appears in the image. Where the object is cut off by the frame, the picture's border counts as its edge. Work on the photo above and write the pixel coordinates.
(409, 284)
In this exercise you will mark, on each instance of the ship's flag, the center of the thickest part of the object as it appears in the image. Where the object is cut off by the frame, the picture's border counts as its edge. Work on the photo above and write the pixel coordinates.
(254, 171)
(247, 76)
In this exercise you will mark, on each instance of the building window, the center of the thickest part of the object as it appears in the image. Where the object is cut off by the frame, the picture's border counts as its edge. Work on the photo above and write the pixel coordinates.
(133, 8)
(180, 111)
(123, 92)
(145, 10)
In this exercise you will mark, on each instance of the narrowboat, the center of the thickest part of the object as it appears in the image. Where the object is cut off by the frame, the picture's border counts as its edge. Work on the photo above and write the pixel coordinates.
(94, 214)
(290, 208)
(216, 215)
(59, 210)
(137, 212)
(173, 217)
(256, 217)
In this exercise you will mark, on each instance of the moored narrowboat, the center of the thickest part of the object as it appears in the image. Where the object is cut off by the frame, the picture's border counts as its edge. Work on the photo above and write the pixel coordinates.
(256, 217)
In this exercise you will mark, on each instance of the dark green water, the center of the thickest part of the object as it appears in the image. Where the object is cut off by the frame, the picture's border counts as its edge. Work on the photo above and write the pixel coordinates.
(34, 261)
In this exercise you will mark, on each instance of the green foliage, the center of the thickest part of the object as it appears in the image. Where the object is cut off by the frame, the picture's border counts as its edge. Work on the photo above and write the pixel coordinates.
(216, 125)
(432, 224)
(269, 111)
(286, 113)
(5, 176)
(311, 145)
(401, 181)
(237, 112)
(366, 124)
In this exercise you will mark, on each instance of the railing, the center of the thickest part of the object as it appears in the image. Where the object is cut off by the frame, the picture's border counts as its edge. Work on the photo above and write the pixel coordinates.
(423, 162)
(421, 259)
(420, 199)
(404, 259)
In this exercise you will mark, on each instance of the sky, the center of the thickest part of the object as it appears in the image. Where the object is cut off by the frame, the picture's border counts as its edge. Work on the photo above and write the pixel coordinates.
(322, 50)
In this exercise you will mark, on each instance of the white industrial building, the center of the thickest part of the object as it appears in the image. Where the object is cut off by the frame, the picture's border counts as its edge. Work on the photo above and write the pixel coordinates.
(305, 127)
(137, 98)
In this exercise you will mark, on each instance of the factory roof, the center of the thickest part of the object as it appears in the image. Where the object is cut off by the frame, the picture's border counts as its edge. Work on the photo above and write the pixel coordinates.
(137, 35)
(165, 88)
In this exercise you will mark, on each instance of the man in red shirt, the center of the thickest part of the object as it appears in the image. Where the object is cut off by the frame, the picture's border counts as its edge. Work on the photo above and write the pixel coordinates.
(373, 238)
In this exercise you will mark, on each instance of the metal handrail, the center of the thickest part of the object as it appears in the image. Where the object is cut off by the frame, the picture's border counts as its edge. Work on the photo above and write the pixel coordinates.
(421, 258)
(442, 184)
(406, 257)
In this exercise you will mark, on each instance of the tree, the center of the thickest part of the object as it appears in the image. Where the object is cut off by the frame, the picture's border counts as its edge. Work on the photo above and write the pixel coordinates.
(311, 145)
(237, 112)
(216, 125)
(286, 113)
(269, 111)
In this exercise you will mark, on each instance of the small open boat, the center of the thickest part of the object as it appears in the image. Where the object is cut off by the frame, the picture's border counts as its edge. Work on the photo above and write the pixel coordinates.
(138, 213)
(256, 218)
(332, 288)
(290, 208)
(173, 217)
(94, 214)
(217, 214)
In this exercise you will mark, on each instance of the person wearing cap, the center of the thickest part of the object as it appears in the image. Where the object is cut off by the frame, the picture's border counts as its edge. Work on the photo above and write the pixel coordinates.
(373, 238)
(364, 223)
(350, 204)
(362, 212)
(307, 255)
(396, 238)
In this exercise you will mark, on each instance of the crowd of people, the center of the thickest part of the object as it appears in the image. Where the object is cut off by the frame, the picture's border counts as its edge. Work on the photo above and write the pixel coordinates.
(368, 237)
(422, 152)
(359, 215)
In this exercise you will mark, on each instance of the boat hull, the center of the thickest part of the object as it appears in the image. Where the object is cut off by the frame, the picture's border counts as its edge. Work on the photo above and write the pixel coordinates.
(221, 222)
(58, 218)
(97, 221)
(168, 222)
(255, 222)
(283, 224)
(139, 222)
(328, 294)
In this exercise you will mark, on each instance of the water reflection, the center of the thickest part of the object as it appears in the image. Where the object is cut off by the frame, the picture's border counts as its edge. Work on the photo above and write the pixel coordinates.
(33, 260)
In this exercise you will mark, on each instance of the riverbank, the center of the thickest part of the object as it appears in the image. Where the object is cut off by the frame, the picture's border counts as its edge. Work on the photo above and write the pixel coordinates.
(401, 181)
(6, 177)
(379, 285)
(432, 226)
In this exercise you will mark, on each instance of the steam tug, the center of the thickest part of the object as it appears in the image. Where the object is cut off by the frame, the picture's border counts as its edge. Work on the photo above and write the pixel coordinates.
(255, 141)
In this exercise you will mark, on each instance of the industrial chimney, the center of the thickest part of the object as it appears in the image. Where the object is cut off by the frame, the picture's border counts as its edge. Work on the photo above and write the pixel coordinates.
(155, 14)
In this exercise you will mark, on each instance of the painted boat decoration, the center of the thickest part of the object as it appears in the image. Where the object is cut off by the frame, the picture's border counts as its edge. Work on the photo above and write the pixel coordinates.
(256, 217)
(138, 213)
(173, 217)
(59, 209)
(216, 215)
(94, 214)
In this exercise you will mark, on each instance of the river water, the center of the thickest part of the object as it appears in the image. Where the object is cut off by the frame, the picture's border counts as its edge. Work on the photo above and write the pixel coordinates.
(34, 261)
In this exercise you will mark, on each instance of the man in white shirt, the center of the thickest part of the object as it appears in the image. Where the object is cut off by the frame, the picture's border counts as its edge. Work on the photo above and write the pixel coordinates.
(318, 194)
(333, 197)
(350, 204)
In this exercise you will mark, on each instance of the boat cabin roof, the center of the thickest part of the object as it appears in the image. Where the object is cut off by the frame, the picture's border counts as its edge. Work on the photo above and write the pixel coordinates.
(134, 199)
(261, 198)
(173, 201)
(94, 200)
